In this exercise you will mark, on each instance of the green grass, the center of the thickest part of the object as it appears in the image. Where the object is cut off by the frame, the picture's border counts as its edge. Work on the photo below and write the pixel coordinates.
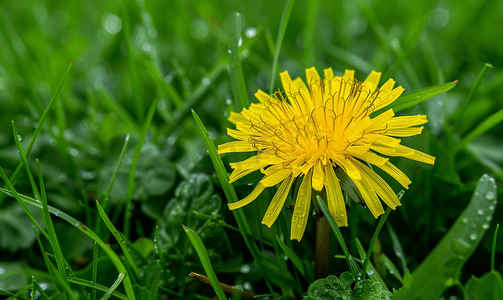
(98, 105)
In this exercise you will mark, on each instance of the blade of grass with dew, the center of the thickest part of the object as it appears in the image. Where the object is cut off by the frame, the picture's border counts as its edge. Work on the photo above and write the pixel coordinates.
(397, 247)
(113, 287)
(442, 267)
(121, 241)
(136, 156)
(413, 98)
(229, 191)
(392, 268)
(96, 286)
(295, 259)
(72, 274)
(382, 219)
(483, 127)
(114, 258)
(47, 262)
(372, 272)
(352, 265)
(493, 248)
(94, 278)
(106, 195)
(25, 161)
(60, 260)
(457, 116)
(205, 260)
(40, 290)
(23, 205)
(236, 72)
(281, 34)
(160, 254)
(40, 125)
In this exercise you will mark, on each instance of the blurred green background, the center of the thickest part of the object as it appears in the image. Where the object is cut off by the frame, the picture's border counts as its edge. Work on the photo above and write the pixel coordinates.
(128, 53)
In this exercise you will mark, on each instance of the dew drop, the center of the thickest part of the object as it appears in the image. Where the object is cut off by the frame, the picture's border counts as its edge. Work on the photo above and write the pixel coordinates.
(489, 196)
(228, 101)
(485, 226)
(464, 220)
(491, 207)
(205, 81)
(370, 272)
(209, 134)
(19, 138)
(229, 51)
(480, 212)
(473, 236)
(240, 42)
(250, 32)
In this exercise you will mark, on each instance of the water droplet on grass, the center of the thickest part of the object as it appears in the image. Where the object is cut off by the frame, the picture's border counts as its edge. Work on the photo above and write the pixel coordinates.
(485, 226)
(250, 32)
(19, 138)
(490, 196)
(473, 236)
(464, 220)
(205, 81)
(480, 212)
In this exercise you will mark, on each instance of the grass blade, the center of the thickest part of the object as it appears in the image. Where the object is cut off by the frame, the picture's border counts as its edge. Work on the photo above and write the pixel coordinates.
(376, 235)
(114, 258)
(25, 161)
(114, 286)
(96, 253)
(236, 72)
(120, 240)
(353, 267)
(136, 156)
(23, 205)
(295, 259)
(392, 268)
(96, 286)
(205, 260)
(484, 126)
(457, 116)
(60, 260)
(281, 34)
(180, 115)
(397, 247)
(416, 97)
(230, 192)
(372, 272)
(442, 267)
(116, 171)
(493, 248)
(41, 291)
(159, 252)
(40, 125)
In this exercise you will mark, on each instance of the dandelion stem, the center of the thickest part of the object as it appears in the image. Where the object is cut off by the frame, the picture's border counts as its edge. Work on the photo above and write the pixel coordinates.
(322, 247)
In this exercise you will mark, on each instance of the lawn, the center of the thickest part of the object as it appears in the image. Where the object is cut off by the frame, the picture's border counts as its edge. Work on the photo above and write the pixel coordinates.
(115, 124)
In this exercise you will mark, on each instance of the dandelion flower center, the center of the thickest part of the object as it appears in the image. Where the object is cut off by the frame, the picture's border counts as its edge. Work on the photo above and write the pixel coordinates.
(323, 133)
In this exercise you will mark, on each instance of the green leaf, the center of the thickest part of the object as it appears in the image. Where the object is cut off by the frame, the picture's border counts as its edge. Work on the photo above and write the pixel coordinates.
(416, 97)
(152, 276)
(16, 232)
(205, 260)
(489, 286)
(144, 246)
(142, 293)
(442, 267)
(12, 277)
(334, 288)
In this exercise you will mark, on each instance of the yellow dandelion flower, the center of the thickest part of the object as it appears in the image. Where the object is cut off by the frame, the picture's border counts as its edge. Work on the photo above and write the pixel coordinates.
(323, 133)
